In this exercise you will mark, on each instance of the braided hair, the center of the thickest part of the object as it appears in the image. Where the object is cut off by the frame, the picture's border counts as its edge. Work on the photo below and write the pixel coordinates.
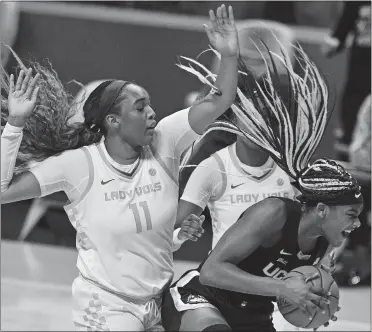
(287, 116)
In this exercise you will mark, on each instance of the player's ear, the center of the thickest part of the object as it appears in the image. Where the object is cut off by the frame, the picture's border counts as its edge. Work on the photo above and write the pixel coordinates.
(112, 120)
(322, 210)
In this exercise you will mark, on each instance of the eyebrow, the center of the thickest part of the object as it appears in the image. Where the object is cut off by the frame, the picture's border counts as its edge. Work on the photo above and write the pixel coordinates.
(142, 99)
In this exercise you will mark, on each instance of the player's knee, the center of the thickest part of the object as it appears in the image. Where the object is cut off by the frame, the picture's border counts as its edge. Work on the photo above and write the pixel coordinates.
(217, 327)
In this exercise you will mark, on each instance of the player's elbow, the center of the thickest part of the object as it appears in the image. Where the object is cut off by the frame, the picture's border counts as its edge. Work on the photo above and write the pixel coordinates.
(209, 274)
(206, 276)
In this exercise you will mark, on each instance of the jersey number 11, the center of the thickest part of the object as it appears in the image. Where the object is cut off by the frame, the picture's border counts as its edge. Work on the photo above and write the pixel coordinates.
(137, 217)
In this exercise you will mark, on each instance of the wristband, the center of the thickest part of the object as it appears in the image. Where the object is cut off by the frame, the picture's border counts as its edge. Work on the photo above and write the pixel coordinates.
(176, 240)
(13, 129)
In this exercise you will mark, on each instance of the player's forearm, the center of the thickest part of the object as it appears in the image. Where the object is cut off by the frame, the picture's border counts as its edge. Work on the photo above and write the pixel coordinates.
(11, 139)
(213, 105)
(230, 277)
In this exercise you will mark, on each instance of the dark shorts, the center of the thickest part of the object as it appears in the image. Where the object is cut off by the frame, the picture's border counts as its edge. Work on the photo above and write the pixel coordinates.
(189, 294)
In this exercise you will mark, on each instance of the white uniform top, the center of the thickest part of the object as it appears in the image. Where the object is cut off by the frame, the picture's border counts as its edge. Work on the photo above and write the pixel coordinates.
(229, 187)
(124, 222)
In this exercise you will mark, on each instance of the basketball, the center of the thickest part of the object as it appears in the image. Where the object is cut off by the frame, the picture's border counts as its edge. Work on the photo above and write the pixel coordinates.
(292, 314)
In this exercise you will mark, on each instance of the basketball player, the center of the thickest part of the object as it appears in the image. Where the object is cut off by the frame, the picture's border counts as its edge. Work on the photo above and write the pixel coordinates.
(233, 179)
(120, 173)
(235, 287)
(230, 181)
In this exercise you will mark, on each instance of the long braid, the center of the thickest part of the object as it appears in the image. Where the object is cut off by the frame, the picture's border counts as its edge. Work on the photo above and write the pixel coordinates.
(287, 121)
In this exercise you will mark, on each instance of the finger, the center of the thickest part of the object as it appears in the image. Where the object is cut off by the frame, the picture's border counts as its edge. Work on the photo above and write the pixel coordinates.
(192, 223)
(224, 14)
(34, 94)
(306, 307)
(194, 238)
(326, 268)
(26, 80)
(202, 218)
(32, 85)
(19, 81)
(11, 84)
(231, 16)
(312, 277)
(213, 20)
(314, 306)
(219, 16)
(317, 298)
(320, 291)
(194, 217)
(332, 256)
(189, 231)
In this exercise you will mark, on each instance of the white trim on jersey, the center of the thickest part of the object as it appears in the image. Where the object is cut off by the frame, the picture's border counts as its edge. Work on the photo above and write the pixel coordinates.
(90, 181)
(176, 296)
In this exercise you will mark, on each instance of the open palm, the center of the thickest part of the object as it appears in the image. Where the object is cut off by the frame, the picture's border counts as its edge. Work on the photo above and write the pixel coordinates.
(222, 32)
(22, 97)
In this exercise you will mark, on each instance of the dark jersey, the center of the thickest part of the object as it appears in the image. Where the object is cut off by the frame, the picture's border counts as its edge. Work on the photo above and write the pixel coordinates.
(274, 262)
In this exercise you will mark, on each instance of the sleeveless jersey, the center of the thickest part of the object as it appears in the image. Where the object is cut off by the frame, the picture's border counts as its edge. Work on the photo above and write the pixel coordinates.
(241, 190)
(125, 246)
(274, 262)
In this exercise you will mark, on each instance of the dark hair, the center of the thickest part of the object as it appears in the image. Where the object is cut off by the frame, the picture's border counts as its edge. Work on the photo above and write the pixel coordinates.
(328, 182)
(102, 101)
(286, 115)
(49, 131)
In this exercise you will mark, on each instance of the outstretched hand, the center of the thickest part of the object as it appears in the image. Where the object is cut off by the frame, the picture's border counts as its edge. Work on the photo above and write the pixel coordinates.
(22, 97)
(222, 32)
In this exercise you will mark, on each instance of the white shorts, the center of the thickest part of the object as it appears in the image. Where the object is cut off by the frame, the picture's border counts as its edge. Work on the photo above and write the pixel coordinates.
(96, 309)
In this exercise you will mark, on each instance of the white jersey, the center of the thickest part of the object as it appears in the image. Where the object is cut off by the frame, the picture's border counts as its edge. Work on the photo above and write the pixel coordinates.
(132, 229)
(228, 187)
(124, 216)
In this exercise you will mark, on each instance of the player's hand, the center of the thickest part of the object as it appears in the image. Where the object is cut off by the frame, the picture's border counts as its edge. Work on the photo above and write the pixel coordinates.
(331, 267)
(304, 295)
(191, 228)
(22, 97)
(333, 318)
(222, 32)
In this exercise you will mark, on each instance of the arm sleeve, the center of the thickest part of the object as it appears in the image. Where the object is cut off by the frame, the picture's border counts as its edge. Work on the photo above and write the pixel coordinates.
(66, 172)
(205, 183)
(11, 139)
(174, 134)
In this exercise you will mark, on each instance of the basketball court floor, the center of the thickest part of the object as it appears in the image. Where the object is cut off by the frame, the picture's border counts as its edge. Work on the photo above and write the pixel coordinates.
(36, 290)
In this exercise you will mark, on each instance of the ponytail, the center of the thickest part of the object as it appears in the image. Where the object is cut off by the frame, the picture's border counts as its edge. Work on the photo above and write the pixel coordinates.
(48, 131)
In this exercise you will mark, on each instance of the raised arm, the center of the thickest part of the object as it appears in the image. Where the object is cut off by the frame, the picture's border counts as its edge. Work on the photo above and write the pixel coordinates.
(261, 222)
(21, 102)
(223, 36)
(67, 171)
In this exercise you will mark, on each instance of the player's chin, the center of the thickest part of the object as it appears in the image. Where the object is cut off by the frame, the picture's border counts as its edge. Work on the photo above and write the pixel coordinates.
(337, 239)
(147, 138)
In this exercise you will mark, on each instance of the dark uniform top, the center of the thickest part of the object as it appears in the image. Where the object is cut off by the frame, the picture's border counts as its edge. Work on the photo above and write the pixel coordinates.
(275, 262)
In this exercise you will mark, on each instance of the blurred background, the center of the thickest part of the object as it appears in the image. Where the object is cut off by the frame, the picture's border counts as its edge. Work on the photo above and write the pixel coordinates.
(141, 41)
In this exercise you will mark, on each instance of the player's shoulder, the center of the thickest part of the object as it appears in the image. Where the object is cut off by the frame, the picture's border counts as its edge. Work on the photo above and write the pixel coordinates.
(70, 157)
(221, 156)
(274, 204)
(276, 209)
